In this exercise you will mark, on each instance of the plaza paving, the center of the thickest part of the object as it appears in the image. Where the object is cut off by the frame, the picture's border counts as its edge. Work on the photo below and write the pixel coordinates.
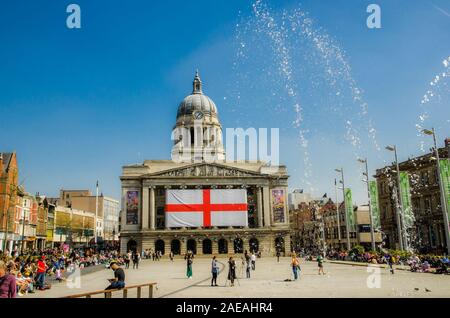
(266, 281)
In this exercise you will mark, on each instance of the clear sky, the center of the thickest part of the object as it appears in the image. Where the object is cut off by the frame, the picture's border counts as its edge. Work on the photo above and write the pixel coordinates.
(77, 104)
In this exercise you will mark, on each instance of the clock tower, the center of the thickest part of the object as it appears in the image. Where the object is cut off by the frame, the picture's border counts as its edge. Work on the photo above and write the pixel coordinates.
(197, 134)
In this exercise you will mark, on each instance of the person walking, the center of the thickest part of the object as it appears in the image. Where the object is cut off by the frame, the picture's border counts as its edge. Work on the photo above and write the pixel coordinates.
(171, 256)
(8, 287)
(136, 258)
(390, 261)
(278, 255)
(295, 263)
(231, 270)
(41, 270)
(127, 259)
(189, 267)
(253, 258)
(320, 264)
(247, 264)
(214, 271)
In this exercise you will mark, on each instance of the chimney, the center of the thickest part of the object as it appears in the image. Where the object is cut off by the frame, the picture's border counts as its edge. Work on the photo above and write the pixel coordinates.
(447, 142)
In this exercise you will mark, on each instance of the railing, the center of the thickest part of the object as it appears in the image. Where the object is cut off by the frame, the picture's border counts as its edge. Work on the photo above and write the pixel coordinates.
(108, 292)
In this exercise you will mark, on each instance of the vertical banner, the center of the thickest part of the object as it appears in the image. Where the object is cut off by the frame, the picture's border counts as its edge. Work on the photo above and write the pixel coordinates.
(374, 206)
(349, 210)
(444, 165)
(132, 207)
(278, 202)
(405, 192)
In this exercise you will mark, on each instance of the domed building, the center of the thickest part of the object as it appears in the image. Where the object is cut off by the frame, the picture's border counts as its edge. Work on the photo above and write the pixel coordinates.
(200, 202)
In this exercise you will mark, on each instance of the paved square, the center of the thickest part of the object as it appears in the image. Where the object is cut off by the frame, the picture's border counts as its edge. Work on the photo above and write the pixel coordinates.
(266, 281)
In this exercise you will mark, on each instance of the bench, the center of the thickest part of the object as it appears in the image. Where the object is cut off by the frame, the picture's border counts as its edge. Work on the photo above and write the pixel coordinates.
(108, 293)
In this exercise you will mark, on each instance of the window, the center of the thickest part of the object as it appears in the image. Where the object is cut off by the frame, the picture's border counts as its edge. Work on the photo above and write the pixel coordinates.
(427, 204)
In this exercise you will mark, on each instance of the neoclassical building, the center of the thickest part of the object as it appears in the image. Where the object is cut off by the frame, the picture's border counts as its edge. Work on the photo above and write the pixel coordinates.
(198, 137)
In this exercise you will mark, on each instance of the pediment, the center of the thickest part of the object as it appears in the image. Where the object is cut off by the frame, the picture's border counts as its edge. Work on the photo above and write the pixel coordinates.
(206, 170)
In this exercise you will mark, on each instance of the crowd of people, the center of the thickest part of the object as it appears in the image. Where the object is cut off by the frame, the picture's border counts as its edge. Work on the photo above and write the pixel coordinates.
(30, 271)
(417, 263)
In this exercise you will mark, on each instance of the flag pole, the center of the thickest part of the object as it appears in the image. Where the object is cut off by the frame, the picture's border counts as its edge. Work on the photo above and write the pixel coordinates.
(96, 211)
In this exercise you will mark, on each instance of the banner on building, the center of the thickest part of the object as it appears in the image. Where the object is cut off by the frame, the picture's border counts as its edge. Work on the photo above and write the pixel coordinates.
(278, 204)
(405, 192)
(374, 206)
(349, 213)
(444, 165)
(206, 207)
(132, 207)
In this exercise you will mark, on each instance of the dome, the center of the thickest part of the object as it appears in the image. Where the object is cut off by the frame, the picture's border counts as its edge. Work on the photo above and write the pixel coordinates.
(197, 101)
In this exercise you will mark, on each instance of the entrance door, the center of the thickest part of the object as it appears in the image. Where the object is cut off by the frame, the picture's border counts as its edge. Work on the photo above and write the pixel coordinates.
(159, 246)
(175, 246)
(238, 246)
(192, 246)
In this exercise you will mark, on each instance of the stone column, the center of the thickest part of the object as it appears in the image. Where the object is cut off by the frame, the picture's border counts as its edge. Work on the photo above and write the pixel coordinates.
(152, 208)
(144, 223)
(267, 212)
(123, 212)
(287, 244)
(259, 206)
(199, 247)
(215, 247)
(245, 244)
(167, 245)
(286, 210)
(183, 246)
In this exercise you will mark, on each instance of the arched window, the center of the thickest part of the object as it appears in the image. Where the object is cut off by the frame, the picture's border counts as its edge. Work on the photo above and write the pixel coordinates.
(254, 245)
(223, 246)
(238, 246)
(159, 246)
(192, 246)
(132, 245)
(175, 247)
(207, 246)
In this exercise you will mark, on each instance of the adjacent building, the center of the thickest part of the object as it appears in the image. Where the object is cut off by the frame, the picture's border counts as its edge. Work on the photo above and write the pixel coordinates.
(72, 226)
(108, 210)
(428, 232)
(9, 201)
(316, 227)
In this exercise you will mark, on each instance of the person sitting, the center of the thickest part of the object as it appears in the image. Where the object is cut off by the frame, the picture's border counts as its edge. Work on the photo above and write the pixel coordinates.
(118, 282)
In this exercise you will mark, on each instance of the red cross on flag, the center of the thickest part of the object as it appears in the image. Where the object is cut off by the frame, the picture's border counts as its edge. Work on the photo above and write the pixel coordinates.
(206, 207)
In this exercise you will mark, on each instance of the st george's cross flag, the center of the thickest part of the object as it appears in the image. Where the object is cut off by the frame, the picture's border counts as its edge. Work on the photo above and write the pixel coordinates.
(206, 207)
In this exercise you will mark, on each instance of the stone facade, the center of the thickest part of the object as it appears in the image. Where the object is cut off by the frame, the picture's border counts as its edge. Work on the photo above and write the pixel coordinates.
(264, 232)
(428, 233)
(198, 132)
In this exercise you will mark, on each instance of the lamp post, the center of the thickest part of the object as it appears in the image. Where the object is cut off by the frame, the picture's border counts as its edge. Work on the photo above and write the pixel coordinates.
(403, 243)
(441, 187)
(341, 171)
(337, 214)
(372, 233)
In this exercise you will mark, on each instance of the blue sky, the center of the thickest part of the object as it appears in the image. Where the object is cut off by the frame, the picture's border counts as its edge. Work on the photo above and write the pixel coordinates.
(76, 105)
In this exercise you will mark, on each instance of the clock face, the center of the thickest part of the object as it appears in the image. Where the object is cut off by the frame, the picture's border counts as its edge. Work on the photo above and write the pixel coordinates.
(198, 115)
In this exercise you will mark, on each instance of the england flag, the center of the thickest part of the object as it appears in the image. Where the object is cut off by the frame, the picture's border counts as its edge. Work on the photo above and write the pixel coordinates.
(206, 208)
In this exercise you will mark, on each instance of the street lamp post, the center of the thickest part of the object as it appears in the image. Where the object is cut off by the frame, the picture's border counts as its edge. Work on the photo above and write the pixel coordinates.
(338, 214)
(23, 229)
(372, 233)
(341, 170)
(441, 188)
(403, 243)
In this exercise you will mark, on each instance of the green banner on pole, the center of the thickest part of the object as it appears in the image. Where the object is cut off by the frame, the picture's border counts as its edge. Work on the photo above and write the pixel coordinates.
(405, 192)
(444, 165)
(373, 190)
(349, 210)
